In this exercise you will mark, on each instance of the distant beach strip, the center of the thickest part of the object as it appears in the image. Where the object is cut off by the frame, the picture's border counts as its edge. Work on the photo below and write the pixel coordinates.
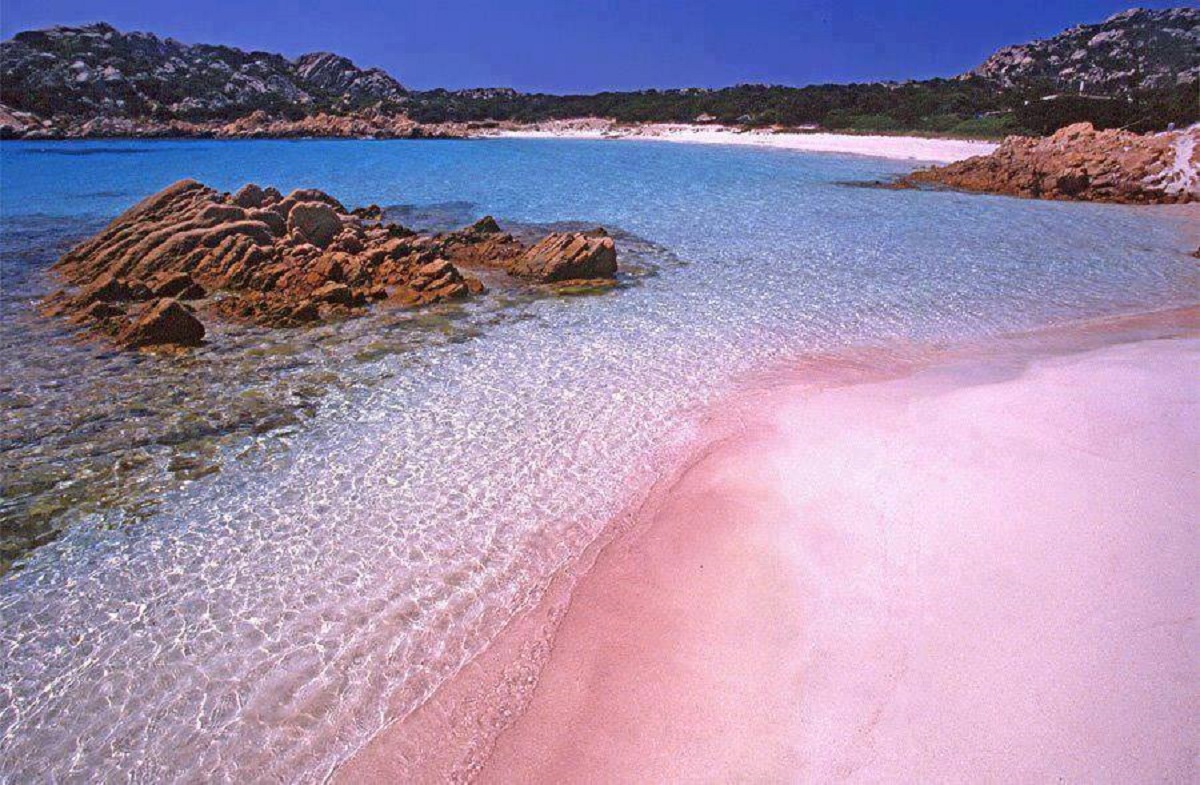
(905, 148)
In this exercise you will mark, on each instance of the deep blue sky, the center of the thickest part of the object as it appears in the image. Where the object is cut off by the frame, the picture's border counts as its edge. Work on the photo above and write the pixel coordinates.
(585, 46)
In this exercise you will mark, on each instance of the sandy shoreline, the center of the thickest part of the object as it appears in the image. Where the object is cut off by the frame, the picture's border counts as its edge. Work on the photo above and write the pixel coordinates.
(979, 566)
(909, 148)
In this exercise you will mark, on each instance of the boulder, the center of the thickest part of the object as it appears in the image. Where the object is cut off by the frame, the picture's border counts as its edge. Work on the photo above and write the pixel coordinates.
(97, 311)
(164, 322)
(107, 288)
(334, 294)
(177, 285)
(437, 281)
(348, 242)
(483, 243)
(305, 313)
(316, 222)
(567, 256)
(250, 195)
(275, 222)
(485, 225)
(371, 212)
(301, 195)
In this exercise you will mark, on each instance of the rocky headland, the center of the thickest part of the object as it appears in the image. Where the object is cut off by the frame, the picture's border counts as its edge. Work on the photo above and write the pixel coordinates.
(1137, 48)
(1137, 67)
(188, 252)
(1079, 162)
(95, 81)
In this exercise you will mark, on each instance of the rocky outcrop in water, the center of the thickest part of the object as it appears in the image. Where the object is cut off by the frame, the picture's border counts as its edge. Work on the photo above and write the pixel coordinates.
(1080, 163)
(281, 261)
(163, 322)
(567, 257)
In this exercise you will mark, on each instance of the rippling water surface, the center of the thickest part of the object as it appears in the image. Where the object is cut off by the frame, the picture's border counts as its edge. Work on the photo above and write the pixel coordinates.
(252, 559)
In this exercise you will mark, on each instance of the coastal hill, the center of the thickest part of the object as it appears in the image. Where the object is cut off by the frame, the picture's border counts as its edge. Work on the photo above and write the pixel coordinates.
(1137, 69)
(96, 69)
(1134, 50)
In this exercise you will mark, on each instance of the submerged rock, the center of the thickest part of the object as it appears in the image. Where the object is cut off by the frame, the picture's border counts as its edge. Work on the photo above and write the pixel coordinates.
(287, 261)
(1080, 163)
(164, 322)
(97, 311)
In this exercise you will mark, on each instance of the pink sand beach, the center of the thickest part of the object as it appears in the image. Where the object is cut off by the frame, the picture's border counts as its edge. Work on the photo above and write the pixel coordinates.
(970, 565)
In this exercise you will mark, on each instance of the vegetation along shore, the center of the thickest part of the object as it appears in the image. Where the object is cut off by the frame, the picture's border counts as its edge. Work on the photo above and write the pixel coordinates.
(1134, 70)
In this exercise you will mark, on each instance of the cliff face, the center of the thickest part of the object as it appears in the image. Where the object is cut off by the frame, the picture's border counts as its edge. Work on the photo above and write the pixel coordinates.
(1135, 49)
(96, 71)
(1080, 163)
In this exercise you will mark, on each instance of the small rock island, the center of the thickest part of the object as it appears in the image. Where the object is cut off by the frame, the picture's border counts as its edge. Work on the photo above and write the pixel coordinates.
(1080, 163)
(287, 261)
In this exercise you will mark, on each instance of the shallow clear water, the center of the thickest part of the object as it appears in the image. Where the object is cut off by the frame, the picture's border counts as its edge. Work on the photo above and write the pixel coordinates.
(262, 617)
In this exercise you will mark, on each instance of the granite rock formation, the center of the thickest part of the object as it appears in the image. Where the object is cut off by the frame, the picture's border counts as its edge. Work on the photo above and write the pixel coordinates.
(277, 260)
(96, 81)
(568, 256)
(1135, 49)
(98, 71)
(1080, 163)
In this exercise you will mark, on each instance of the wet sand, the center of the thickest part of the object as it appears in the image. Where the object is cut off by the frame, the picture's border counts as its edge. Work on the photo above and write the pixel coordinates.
(976, 565)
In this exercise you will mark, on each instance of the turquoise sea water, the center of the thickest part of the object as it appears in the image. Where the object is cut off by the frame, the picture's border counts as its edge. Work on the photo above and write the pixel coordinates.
(328, 524)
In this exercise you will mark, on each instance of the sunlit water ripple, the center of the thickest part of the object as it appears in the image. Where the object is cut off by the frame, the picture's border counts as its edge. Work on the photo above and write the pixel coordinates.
(262, 620)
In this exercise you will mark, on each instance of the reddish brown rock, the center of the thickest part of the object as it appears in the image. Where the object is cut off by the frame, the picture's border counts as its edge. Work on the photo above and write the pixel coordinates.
(107, 288)
(285, 261)
(483, 244)
(371, 212)
(97, 311)
(250, 195)
(177, 285)
(335, 294)
(484, 226)
(437, 281)
(1080, 163)
(568, 256)
(305, 313)
(316, 222)
(164, 322)
(275, 222)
